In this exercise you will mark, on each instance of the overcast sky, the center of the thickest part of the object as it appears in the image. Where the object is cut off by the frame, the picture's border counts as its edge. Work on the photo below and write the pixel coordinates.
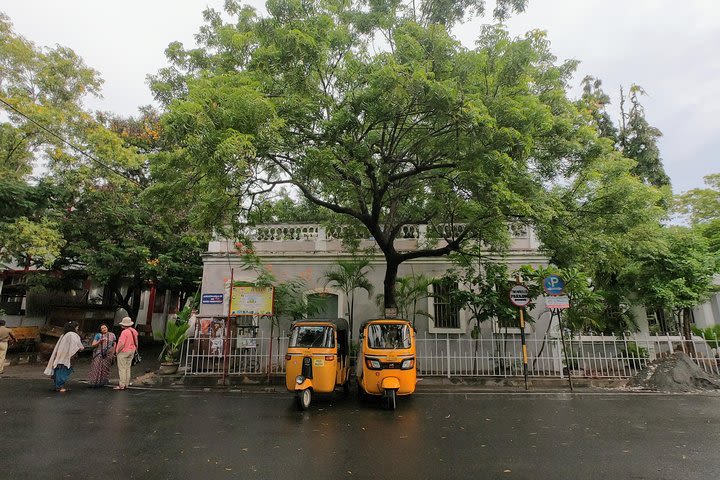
(668, 47)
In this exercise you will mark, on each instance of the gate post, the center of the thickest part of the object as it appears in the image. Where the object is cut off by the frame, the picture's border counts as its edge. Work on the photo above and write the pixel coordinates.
(447, 343)
(558, 358)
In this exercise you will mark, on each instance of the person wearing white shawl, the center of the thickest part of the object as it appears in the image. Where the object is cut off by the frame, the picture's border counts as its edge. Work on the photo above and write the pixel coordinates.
(60, 365)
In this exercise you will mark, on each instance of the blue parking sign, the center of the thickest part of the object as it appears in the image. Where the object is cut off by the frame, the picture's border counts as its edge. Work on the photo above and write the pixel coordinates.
(553, 285)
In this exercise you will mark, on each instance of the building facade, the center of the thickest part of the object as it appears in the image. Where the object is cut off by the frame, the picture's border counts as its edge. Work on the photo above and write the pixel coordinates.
(309, 252)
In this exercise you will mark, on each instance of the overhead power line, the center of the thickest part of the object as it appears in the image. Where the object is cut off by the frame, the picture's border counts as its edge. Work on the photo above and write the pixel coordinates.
(77, 149)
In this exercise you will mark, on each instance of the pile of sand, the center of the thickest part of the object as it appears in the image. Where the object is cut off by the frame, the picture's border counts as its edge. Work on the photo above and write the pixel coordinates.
(674, 373)
(147, 380)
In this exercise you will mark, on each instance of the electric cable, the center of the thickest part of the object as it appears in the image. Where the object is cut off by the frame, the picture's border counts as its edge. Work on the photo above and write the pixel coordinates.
(77, 149)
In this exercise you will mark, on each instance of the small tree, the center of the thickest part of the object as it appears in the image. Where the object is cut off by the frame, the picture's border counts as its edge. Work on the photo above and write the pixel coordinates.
(176, 332)
(486, 292)
(348, 276)
(677, 274)
(408, 291)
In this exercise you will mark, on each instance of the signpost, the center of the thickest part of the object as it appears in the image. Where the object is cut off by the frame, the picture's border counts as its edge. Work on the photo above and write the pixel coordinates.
(520, 297)
(554, 286)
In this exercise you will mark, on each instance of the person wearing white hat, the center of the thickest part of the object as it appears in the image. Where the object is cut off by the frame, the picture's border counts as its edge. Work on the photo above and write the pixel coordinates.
(125, 349)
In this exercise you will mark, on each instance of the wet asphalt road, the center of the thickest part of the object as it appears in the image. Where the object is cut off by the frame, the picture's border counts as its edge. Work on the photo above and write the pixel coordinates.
(153, 434)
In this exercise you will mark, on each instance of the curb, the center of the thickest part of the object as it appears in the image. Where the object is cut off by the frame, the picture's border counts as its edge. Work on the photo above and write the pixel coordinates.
(425, 384)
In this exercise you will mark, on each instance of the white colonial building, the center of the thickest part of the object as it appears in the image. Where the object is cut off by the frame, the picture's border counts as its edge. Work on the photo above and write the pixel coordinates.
(309, 251)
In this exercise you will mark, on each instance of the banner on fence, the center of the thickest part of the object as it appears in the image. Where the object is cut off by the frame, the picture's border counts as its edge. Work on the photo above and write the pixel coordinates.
(213, 329)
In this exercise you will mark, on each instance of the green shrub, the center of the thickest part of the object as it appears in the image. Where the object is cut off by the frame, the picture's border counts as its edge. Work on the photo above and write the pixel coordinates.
(711, 334)
(634, 351)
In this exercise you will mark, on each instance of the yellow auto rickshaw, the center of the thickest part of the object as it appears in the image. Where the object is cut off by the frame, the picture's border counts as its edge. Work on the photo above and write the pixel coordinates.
(386, 363)
(317, 359)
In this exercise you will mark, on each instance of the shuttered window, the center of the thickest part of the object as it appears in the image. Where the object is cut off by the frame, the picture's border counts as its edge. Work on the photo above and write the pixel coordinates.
(446, 313)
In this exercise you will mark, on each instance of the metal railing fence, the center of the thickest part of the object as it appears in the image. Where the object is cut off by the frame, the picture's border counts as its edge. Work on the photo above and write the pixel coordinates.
(448, 355)
(596, 356)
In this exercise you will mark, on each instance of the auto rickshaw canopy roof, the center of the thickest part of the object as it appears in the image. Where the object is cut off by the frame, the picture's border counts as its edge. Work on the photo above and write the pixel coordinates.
(339, 323)
(383, 320)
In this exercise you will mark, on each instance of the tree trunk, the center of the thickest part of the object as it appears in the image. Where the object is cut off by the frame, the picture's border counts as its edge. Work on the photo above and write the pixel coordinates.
(351, 314)
(137, 292)
(687, 331)
(391, 272)
(130, 302)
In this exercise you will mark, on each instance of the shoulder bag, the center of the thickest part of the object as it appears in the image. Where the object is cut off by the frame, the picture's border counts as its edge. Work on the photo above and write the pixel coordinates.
(136, 358)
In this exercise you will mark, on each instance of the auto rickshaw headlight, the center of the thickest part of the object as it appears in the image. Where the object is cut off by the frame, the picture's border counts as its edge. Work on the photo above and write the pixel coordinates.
(407, 364)
(299, 379)
(373, 364)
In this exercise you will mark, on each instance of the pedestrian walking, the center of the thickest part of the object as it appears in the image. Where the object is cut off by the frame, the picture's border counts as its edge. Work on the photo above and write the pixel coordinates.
(125, 350)
(5, 336)
(103, 357)
(59, 366)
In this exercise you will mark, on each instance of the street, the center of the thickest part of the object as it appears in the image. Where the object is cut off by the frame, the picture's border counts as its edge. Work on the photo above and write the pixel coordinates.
(181, 434)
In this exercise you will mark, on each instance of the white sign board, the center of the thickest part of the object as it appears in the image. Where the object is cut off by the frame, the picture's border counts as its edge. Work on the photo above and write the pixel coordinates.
(558, 301)
(519, 295)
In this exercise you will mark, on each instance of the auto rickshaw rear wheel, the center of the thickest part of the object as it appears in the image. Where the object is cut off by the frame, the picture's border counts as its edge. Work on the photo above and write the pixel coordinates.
(303, 398)
(362, 396)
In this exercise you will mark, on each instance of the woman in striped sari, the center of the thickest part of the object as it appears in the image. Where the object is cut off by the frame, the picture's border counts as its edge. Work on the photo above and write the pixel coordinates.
(103, 356)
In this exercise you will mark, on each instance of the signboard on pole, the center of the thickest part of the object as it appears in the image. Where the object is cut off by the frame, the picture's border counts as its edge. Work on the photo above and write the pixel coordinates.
(557, 301)
(519, 295)
(553, 285)
(249, 300)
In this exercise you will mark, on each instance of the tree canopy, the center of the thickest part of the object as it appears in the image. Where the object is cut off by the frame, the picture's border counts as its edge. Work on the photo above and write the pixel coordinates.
(38, 86)
(85, 208)
(420, 132)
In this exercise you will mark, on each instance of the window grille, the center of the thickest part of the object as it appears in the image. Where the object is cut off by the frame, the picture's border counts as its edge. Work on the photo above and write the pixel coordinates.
(446, 313)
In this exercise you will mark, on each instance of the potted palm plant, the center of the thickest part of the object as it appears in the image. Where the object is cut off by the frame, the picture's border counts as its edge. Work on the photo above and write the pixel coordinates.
(176, 332)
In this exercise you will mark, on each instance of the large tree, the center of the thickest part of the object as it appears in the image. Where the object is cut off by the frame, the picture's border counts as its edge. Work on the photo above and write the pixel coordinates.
(39, 88)
(611, 213)
(598, 222)
(86, 210)
(123, 236)
(375, 112)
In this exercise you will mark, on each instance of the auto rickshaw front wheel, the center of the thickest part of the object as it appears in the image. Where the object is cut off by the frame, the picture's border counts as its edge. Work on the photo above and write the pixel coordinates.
(391, 398)
(303, 398)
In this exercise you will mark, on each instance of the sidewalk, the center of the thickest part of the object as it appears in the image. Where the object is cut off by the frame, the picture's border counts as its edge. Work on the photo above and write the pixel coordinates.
(30, 366)
(27, 366)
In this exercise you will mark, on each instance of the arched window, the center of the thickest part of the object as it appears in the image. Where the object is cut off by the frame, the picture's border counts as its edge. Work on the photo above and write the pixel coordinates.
(328, 303)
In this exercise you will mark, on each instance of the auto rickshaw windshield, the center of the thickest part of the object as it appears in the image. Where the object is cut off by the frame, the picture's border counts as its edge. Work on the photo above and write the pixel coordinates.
(388, 335)
(311, 336)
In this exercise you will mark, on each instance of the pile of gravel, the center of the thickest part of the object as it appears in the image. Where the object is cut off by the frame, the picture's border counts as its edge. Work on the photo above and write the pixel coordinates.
(674, 373)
